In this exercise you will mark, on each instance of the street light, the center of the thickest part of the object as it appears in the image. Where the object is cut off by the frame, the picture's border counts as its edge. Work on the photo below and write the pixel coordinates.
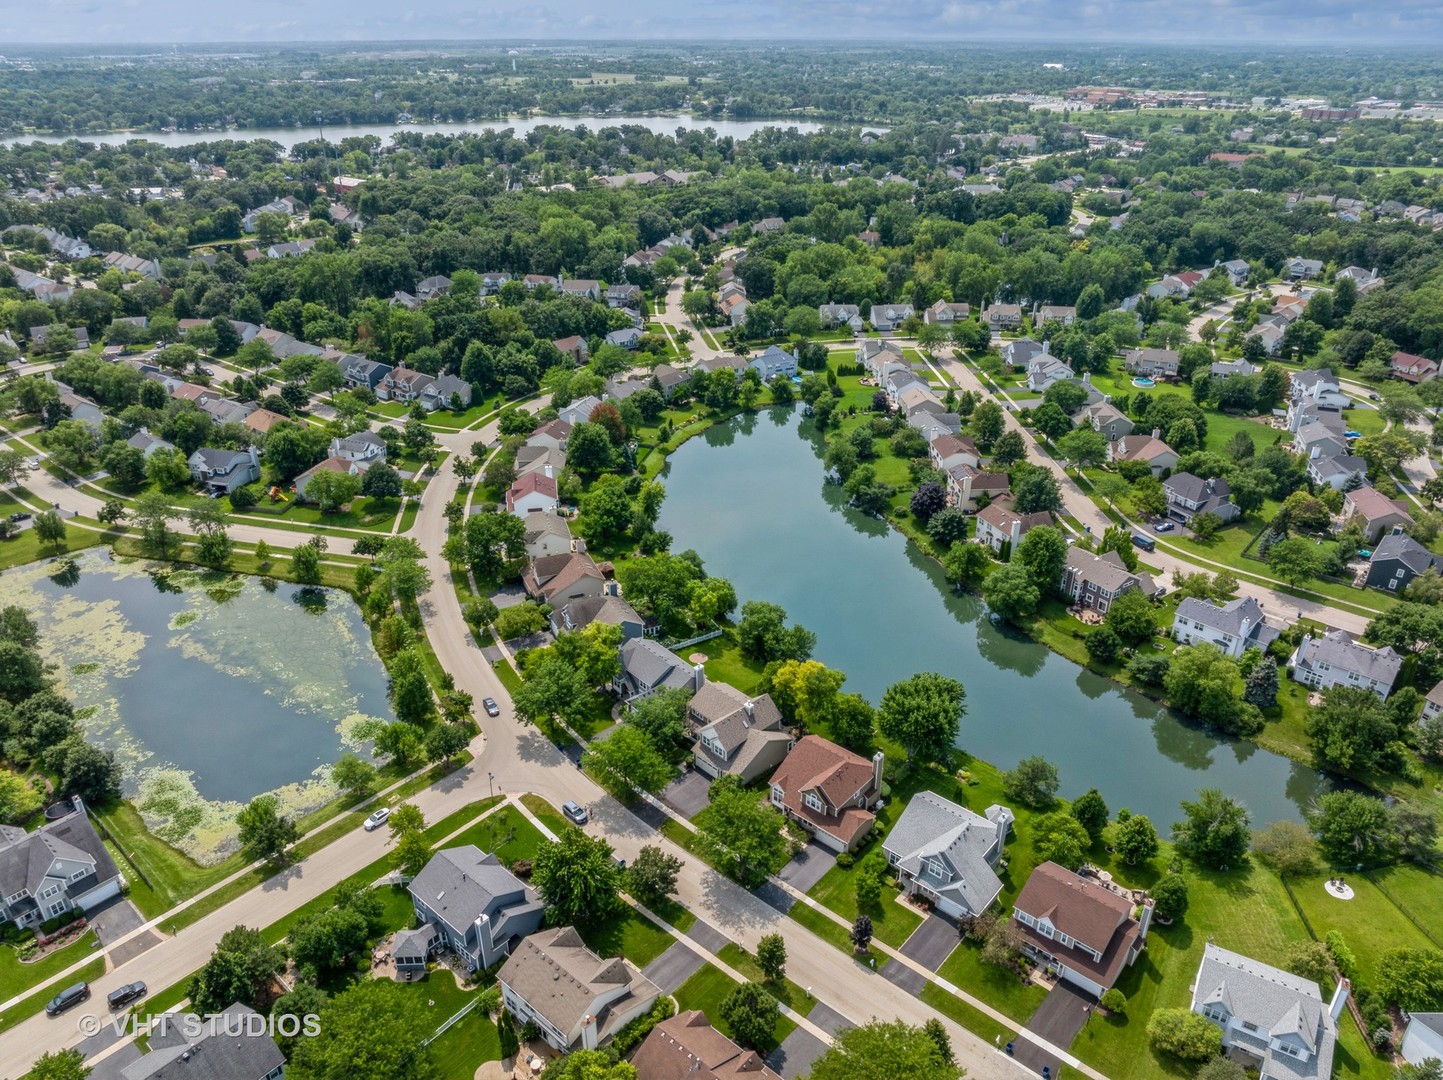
(490, 779)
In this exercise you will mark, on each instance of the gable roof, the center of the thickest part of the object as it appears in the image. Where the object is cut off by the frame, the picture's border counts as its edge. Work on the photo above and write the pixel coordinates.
(687, 1047)
(560, 978)
(650, 663)
(551, 574)
(1085, 911)
(212, 1055)
(25, 858)
(836, 774)
(1234, 617)
(1406, 550)
(461, 884)
(1339, 649)
(1373, 505)
(933, 828)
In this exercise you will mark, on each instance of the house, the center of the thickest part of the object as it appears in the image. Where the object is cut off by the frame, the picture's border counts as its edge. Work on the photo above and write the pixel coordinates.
(934, 425)
(1366, 280)
(539, 281)
(1105, 418)
(773, 362)
(870, 237)
(1226, 369)
(828, 791)
(622, 295)
(671, 379)
(403, 385)
(835, 315)
(1397, 559)
(40, 336)
(1378, 512)
(1189, 495)
(289, 250)
(1004, 316)
(1020, 353)
(574, 347)
(234, 1044)
(365, 447)
(948, 451)
(557, 579)
(1152, 363)
(687, 1047)
(874, 355)
(1270, 334)
(359, 371)
(1298, 269)
(1422, 1038)
(585, 288)
(918, 398)
(1045, 369)
(475, 907)
(966, 484)
(770, 224)
(948, 854)
(224, 470)
(1320, 439)
(1234, 627)
(735, 735)
(945, 313)
(262, 420)
(533, 493)
(547, 534)
(1095, 581)
(1082, 929)
(492, 280)
(886, 317)
(552, 434)
(330, 464)
(223, 410)
(1178, 285)
(1413, 369)
(580, 410)
(147, 443)
(999, 524)
(82, 409)
(445, 392)
(283, 345)
(531, 459)
(1338, 472)
(60, 867)
(1336, 659)
(626, 338)
(1046, 313)
(1237, 270)
(576, 999)
(606, 609)
(647, 666)
(1148, 449)
(1274, 1022)
(132, 264)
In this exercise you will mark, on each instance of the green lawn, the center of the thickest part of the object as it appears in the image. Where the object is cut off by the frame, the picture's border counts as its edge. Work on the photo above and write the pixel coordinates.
(1370, 922)
(725, 663)
(465, 1045)
(970, 1017)
(36, 1002)
(708, 988)
(892, 923)
(787, 992)
(630, 934)
(17, 977)
(508, 834)
(1001, 988)
(547, 814)
(1415, 891)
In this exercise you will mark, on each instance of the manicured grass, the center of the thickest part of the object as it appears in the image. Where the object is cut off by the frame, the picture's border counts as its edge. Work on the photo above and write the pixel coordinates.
(507, 834)
(33, 1004)
(708, 988)
(1416, 892)
(547, 814)
(823, 926)
(1370, 922)
(630, 934)
(787, 992)
(673, 914)
(16, 978)
(973, 1019)
(892, 923)
(999, 987)
(725, 663)
(465, 1045)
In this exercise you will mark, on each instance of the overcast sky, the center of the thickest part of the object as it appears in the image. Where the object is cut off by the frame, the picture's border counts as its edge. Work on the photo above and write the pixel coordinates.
(1259, 22)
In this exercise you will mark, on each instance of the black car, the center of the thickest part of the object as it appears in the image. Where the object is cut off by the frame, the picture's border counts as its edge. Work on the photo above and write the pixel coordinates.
(20, 516)
(124, 995)
(489, 704)
(68, 998)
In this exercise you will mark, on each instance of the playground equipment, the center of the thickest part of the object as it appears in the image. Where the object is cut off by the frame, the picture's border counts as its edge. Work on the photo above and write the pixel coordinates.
(277, 495)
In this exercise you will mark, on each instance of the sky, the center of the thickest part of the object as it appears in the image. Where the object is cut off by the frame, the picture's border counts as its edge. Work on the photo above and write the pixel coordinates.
(1268, 22)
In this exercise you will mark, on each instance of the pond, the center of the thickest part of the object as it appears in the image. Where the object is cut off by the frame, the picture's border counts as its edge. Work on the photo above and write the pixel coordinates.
(210, 688)
(749, 497)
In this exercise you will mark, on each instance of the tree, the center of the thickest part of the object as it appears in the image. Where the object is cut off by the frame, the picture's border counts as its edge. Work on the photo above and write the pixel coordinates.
(239, 970)
(662, 716)
(1295, 560)
(627, 763)
(326, 940)
(1184, 1034)
(374, 1028)
(410, 691)
(167, 469)
(208, 521)
(1170, 897)
(948, 527)
(1035, 490)
(1009, 449)
(1214, 830)
(1411, 978)
(884, 1050)
(589, 449)
(50, 529)
(330, 491)
(762, 634)
(588, 1065)
(651, 876)
(741, 834)
(1114, 1002)
(265, 832)
(772, 957)
(751, 1013)
(381, 481)
(352, 775)
(1042, 553)
(1350, 728)
(578, 878)
(1090, 811)
(1034, 782)
(963, 563)
(1287, 848)
(1132, 617)
(927, 500)
(1011, 594)
(18, 797)
(923, 713)
(306, 563)
(1260, 688)
(987, 422)
(1202, 681)
(1059, 838)
(59, 1065)
(1351, 827)
(861, 934)
(445, 741)
(1083, 446)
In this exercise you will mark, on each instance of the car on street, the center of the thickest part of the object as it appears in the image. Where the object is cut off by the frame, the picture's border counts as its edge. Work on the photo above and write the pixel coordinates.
(34, 463)
(376, 820)
(575, 814)
(124, 995)
(68, 998)
(1164, 526)
(20, 515)
(489, 704)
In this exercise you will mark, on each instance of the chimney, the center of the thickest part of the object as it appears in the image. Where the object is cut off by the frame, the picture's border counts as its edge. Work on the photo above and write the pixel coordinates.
(1340, 999)
(877, 759)
(1087, 378)
(698, 678)
(1397, 530)
(1144, 919)
(1157, 433)
(751, 711)
(550, 473)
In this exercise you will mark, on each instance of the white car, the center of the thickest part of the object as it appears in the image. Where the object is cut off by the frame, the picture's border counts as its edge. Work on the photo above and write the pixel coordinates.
(34, 463)
(376, 820)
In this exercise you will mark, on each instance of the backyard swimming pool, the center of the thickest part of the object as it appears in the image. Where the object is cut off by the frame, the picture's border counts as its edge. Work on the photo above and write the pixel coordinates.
(1143, 382)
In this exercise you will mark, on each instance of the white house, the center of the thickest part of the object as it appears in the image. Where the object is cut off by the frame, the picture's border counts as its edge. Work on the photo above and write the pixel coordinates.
(1336, 659)
(1233, 627)
(366, 448)
(1422, 1038)
(533, 493)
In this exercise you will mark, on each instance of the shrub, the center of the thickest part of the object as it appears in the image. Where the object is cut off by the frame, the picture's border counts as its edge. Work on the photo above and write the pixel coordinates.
(1114, 1002)
(1184, 1034)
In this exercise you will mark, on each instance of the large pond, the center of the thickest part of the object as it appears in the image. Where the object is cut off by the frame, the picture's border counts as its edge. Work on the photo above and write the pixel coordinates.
(210, 688)
(521, 126)
(749, 497)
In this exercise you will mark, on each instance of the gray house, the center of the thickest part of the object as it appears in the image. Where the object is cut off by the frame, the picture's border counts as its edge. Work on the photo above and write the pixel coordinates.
(1336, 659)
(359, 371)
(1233, 627)
(890, 316)
(647, 666)
(224, 470)
(1397, 560)
(221, 1047)
(948, 854)
(472, 905)
(1189, 495)
(61, 866)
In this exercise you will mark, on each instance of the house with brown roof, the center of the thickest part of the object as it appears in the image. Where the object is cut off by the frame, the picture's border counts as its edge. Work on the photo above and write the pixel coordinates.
(998, 524)
(1151, 363)
(575, 347)
(966, 484)
(606, 609)
(944, 313)
(736, 735)
(1378, 512)
(1413, 369)
(1105, 418)
(1080, 928)
(948, 451)
(262, 420)
(1095, 581)
(535, 492)
(829, 791)
(552, 435)
(1003, 316)
(547, 534)
(687, 1047)
(1148, 449)
(558, 579)
(403, 385)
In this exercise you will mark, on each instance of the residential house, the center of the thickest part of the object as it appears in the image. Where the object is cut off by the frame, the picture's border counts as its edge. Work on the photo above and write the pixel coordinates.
(40, 336)
(735, 309)
(1046, 313)
(671, 379)
(628, 338)
(944, 313)
(1274, 1023)
(359, 371)
(585, 288)
(1045, 369)
(769, 224)
(948, 854)
(687, 1047)
(735, 735)
(234, 1044)
(1095, 581)
(290, 250)
(887, 317)
(149, 269)
(364, 447)
(623, 295)
(1413, 369)
(445, 392)
(874, 355)
(870, 237)
(1298, 269)
(1366, 280)
(287, 207)
(1316, 387)
(916, 398)
(998, 524)
(734, 364)
(574, 347)
(79, 408)
(1152, 363)
(1397, 559)
(1422, 1038)
(1337, 659)
(1226, 369)
(948, 451)
(1189, 495)
(539, 281)
(1178, 285)
(1338, 472)
(1237, 271)
(1020, 353)
(224, 410)
(606, 609)
(967, 484)
(773, 362)
(224, 470)
(828, 791)
(1379, 514)
(547, 535)
(576, 999)
(147, 443)
(1234, 627)
(473, 906)
(558, 579)
(331, 464)
(1105, 418)
(835, 315)
(492, 280)
(1270, 334)
(403, 385)
(1320, 439)
(934, 425)
(1080, 928)
(1003, 316)
(648, 666)
(530, 459)
(402, 299)
(1433, 702)
(552, 434)
(580, 410)
(533, 493)
(60, 867)
(1148, 449)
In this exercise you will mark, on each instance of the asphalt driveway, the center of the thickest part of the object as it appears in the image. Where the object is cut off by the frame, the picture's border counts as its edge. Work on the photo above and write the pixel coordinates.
(795, 1056)
(687, 794)
(808, 867)
(1058, 1020)
(931, 943)
(116, 919)
(673, 967)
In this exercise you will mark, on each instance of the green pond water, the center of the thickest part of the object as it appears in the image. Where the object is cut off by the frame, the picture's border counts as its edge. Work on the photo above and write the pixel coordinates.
(210, 688)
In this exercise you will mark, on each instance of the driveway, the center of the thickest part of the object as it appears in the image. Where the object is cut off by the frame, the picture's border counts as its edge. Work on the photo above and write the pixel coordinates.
(688, 794)
(674, 967)
(931, 943)
(796, 1054)
(808, 867)
(1058, 1020)
(116, 919)
(899, 974)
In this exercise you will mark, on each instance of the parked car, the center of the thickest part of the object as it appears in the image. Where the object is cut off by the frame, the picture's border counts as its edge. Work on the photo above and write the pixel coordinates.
(1164, 526)
(575, 814)
(379, 818)
(124, 995)
(34, 463)
(489, 704)
(20, 515)
(1145, 542)
(68, 998)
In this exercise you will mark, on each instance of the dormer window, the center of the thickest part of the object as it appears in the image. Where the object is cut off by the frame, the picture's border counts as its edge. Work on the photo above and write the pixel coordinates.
(936, 868)
(813, 803)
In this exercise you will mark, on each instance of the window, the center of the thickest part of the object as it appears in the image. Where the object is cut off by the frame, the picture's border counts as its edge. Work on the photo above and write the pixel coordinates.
(1249, 1026)
(936, 869)
(813, 803)
(49, 891)
(1291, 1051)
(776, 795)
(1045, 929)
(1216, 1013)
(80, 873)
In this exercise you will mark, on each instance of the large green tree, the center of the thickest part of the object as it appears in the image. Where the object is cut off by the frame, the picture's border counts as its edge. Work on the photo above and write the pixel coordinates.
(884, 1050)
(375, 1028)
(923, 713)
(578, 878)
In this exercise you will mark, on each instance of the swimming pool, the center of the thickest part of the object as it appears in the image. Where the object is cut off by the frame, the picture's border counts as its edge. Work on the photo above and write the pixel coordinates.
(1143, 382)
